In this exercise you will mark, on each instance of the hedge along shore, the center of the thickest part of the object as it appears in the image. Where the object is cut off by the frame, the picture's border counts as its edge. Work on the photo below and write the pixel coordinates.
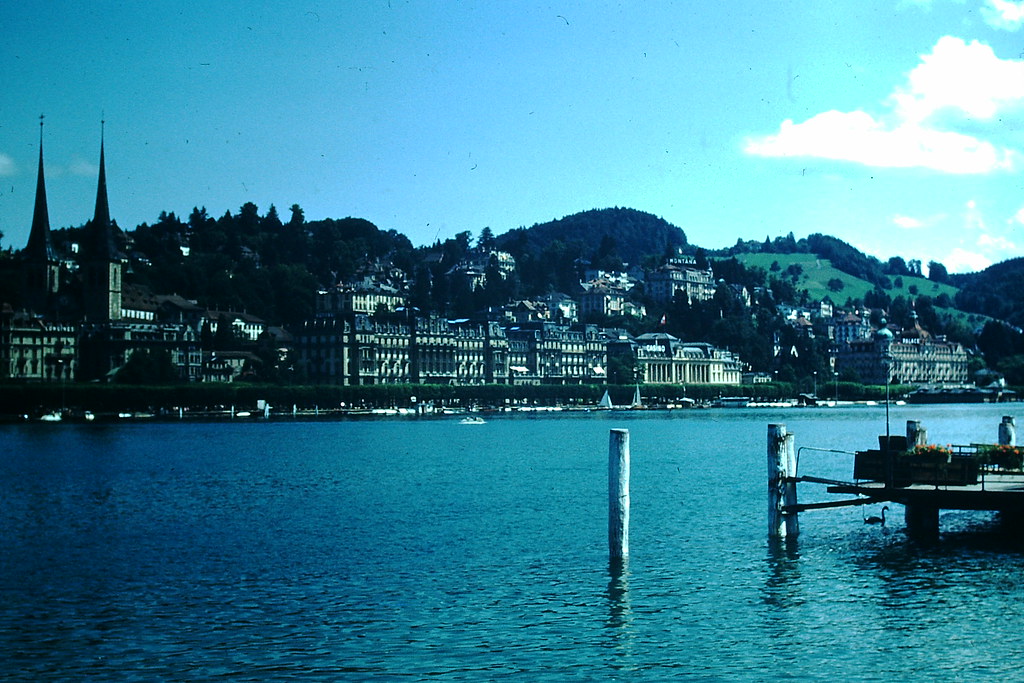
(35, 399)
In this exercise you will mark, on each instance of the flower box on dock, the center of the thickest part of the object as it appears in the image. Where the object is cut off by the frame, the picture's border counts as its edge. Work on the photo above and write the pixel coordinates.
(933, 465)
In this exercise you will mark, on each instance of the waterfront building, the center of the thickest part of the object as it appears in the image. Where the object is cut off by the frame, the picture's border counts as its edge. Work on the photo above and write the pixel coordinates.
(660, 358)
(33, 348)
(399, 349)
(550, 353)
(911, 356)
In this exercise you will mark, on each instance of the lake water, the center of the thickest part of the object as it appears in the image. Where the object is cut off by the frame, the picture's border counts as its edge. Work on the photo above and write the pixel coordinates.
(426, 549)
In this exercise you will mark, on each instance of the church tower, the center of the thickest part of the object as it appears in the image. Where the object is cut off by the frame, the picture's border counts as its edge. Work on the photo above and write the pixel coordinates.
(40, 267)
(103, 261)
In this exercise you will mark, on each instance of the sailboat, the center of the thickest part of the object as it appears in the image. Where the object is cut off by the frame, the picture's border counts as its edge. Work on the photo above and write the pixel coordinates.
(606, 401)
(637, 403)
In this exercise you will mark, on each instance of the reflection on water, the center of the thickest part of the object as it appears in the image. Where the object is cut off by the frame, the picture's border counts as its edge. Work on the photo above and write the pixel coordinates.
(620, 613)
(782, 585)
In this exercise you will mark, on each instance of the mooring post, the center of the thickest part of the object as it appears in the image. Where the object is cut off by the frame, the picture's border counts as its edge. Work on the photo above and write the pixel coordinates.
(916, 434)
(782, 469)
(1008, 431)
(922, 521)
(618, 493)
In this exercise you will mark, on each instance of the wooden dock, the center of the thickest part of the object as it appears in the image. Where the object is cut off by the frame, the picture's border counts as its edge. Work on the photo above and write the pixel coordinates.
(1002, 492)
(906, 471)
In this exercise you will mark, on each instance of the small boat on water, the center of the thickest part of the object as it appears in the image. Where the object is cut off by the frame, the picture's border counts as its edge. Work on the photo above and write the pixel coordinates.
(51, 417)
(606, 402)
(637, 403)
(731, 402)
(472, 420)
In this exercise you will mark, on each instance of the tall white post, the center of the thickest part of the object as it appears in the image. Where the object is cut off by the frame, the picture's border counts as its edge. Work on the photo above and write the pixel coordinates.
(782, 469)
(618, 493)
(1008, 431)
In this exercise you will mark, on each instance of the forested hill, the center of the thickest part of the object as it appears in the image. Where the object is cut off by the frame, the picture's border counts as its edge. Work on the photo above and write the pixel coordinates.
(613, 235)
(997, 291)
(272, 267)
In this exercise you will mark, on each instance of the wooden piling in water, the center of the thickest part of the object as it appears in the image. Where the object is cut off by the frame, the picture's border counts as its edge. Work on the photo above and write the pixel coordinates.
(922, 521)
(782, 467)
(1008, 431)
(618, 493)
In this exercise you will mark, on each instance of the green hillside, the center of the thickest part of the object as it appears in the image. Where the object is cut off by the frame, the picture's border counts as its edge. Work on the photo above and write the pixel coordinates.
(817, 273)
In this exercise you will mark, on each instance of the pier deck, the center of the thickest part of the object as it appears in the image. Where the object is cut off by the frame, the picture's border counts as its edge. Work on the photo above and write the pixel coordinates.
(994, 491)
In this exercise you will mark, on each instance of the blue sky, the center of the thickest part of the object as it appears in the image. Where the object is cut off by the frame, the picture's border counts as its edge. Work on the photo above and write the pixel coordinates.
(894, 125)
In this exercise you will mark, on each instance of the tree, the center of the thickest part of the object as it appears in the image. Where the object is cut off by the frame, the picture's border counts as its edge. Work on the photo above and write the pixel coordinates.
(1012, 368)
(146, 366)
(897, 266)
(835, 285)
(998, 341)
(224, 337)
(486, 239)
(206, 336)
(937, 272)
(607, 256)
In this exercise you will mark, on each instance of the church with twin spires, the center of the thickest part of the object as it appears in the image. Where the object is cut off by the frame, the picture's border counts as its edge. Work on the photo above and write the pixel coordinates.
(73, 323)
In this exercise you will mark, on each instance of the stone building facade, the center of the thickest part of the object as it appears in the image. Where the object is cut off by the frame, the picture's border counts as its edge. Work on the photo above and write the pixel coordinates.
(911, 356)
(680, 276)
(664, 359)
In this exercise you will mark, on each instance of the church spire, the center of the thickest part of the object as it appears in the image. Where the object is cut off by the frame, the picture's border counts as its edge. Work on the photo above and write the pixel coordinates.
(103, 263)
(102, 215)
(39, 247)
(104, 243)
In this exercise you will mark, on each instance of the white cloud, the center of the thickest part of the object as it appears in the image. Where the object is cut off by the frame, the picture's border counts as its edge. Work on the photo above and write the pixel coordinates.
(987, 248)
(907, 222)
(962, 77)
(962, 261)
(1003, 14)
(7, 166)
(967, 79)
(858, 137)
(1018, 217)
(995, 242)
(80, 167)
